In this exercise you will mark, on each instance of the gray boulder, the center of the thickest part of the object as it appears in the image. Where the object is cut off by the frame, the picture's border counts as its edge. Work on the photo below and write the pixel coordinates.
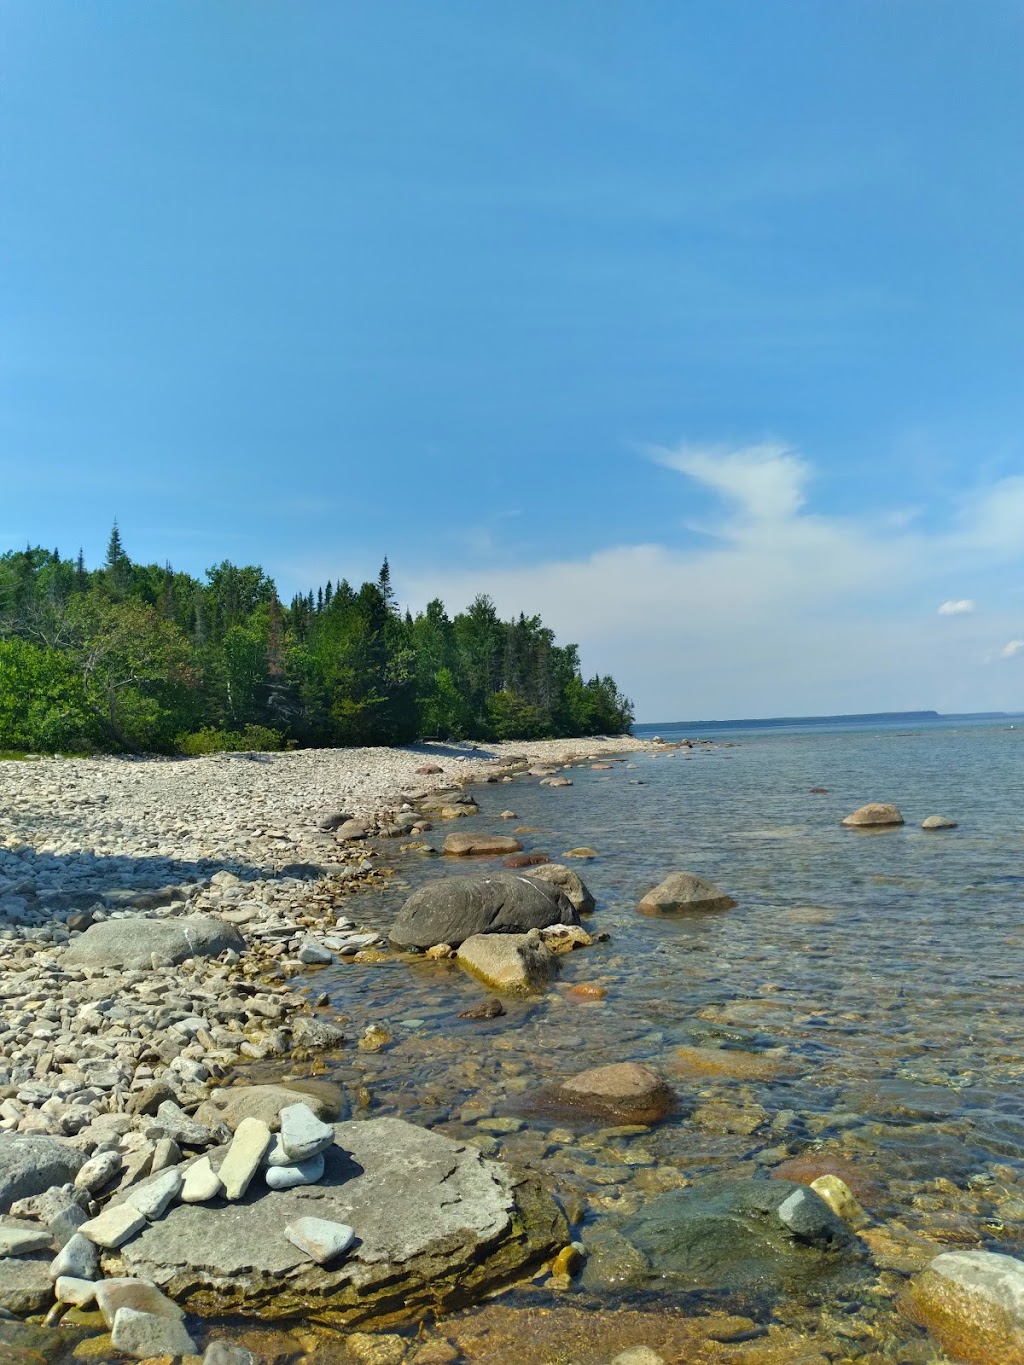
(568, 882)
(437, 1226)
(31, 1164)
(684, 891)
(25, 1285)
(770, 1235)
(453, 909)
(131, 943)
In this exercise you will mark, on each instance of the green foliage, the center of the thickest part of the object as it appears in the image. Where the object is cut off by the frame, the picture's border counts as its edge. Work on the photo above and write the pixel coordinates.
(141, 657)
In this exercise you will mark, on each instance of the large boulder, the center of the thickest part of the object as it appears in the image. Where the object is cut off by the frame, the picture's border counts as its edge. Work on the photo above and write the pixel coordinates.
(437, 1226)
(624, 1090)
(445, 800)
(876, 814)
(684, 891)
(263, 1102)
(734, 1235)
(972, 1302)
(30, 1164)
(517, 964)
(131, 943)
(452, 909)
(568, 882)
(479, 845)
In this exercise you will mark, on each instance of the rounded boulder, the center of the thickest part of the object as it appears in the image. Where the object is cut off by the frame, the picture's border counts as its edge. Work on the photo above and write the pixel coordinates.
(452, 909)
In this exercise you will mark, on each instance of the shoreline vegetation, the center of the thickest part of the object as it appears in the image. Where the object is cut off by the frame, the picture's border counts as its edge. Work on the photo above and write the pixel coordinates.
(140, 658)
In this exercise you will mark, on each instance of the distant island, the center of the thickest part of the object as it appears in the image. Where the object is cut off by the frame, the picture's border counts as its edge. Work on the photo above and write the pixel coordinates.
(143, 658)
(860, 718)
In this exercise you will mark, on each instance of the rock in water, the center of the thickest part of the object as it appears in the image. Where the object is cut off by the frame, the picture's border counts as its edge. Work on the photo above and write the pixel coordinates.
(438, 1226)
(489, 845)
(518, 964)
(768, 1235)
(31, 1164)
(568, 882)
(875, 813)
(319, 1238)
(251, 1140)
(938, 822)
(113, 1295)
(682, 891)
(144, 1335)
(453, 909)
(132, 942)
(302, 1133)
(972, 1303)
(622, 1090)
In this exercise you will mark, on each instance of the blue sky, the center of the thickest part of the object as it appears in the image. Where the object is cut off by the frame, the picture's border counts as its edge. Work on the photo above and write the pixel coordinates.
(696, 327)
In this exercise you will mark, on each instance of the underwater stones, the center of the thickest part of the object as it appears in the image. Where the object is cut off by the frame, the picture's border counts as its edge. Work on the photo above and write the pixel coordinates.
(972, 1303)
(742, 1234)
(479, 845)
(436, 1224)
(840, 1199)
(876, 814)
(623, 1090)
(681, 892)
(517, 964)
(453, 909)
(727, 1063)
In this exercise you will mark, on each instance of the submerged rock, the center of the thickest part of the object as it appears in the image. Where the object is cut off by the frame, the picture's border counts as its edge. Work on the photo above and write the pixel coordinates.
(623, 1090)
(132, 942)
(453, 909)
(875, 813)
(682, 891)
(469, 845)
(972, 1303)
(938, 822)
(436, 1226)
(744, 1234)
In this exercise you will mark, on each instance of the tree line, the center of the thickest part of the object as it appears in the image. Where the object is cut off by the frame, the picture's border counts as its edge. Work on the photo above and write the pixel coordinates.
(143, 658)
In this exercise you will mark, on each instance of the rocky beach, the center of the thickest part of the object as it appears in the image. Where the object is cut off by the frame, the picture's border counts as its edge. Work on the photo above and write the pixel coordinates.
(281, 1084)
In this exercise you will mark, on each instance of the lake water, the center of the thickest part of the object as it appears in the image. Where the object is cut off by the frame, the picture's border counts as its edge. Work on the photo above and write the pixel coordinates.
(882, 969)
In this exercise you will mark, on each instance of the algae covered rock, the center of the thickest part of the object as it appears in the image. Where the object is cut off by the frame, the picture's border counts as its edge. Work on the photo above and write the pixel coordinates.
(518, 964)
(436, 1226)
(972, 1303)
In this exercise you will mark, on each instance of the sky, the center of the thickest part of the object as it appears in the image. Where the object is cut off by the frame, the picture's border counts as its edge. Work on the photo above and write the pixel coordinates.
(697, 328)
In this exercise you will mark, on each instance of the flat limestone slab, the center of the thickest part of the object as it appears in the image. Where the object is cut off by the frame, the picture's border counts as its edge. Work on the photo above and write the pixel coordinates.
(436, 1224)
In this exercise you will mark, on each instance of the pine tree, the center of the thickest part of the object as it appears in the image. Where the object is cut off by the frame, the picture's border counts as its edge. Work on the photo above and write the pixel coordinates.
(384, 585)
(116, 556)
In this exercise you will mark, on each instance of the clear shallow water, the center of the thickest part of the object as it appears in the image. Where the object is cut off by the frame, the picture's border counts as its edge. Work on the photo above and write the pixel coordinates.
(884, 968)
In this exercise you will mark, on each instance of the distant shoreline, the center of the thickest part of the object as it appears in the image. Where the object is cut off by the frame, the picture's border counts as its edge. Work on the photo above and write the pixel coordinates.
(861, 718)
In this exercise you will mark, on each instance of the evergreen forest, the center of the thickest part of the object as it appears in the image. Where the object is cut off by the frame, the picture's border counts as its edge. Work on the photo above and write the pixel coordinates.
(142, 658)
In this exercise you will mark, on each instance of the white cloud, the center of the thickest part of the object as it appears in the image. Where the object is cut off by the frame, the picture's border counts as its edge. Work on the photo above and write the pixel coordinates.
(783, 610)
(1012, 649)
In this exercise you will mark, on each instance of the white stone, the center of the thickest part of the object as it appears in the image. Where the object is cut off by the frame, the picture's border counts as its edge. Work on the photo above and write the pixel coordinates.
(251, 1140)
(303, 1135)
(201, 1183)
(98, 1171)
(113, 1227)
(302, 1173)
(153, 1197)
(79, 1293)
(320, 1239)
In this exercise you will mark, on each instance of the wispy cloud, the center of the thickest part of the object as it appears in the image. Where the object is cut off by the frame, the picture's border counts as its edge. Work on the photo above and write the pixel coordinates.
(963, 606)
(1012, 649)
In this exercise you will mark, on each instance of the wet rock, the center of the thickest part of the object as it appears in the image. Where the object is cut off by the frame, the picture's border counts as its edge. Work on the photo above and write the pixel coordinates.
(568, 882)
(728, 1063)
(31, 1164)
(487, 1009)
(438, 1226)
(131, 943)
(840, 1199)
(684, 891)
(517, 964)
(520, 860)
(453, 909)
(145, 1335)
(972, 1303)
(938, 822)
(228, 1353)
(583, 853)
(479, 845)
(314, 955)
(586, 991)
(638, 1355)
(875, 813)
(743, 1234)
(623, 1090)
(564, 938)
(809, 1166)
